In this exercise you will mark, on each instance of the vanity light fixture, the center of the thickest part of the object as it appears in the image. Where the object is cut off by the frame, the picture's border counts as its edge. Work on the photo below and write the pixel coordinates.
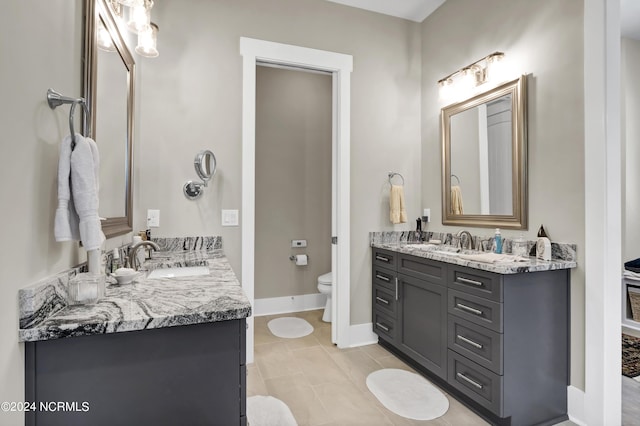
(140, 17)
(473, 75)
(147, 42)
(130, 3)
(104, 40)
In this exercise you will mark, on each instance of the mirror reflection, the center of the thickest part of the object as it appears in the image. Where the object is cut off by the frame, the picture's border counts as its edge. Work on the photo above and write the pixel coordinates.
(109, 90)
(484, 159)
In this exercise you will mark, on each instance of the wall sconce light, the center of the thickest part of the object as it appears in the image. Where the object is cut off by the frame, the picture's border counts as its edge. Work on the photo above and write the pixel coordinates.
(464, 80)
(147, 42)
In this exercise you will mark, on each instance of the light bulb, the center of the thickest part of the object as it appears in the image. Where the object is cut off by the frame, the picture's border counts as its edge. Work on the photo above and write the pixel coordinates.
(104, 39)
(496, 69)
(446, 89)
(147, 42)
(139, 18)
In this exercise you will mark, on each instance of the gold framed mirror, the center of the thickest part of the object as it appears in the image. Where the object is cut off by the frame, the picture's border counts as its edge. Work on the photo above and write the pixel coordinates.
(109, 76)
(484, 159)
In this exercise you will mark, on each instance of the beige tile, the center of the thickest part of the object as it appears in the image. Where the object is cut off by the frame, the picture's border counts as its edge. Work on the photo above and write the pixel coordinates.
(318, 366)
(255, 384)
(392, 362)
(357, 365)
(295, 391)
(376, 351)
(302, 342)
(274, 360)
(262, 334)
(349, 406)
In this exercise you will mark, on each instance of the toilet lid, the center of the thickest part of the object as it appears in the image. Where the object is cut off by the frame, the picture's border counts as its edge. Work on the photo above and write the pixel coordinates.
(325, 278)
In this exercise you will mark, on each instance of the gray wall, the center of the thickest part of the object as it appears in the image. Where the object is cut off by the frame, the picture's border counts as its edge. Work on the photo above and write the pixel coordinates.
(630, 131)
(199, 71)
(293, 180)
(39, 48)
(543, 38)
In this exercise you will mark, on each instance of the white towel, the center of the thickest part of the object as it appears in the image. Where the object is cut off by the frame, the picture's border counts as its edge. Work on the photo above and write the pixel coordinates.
(456, 200)
(397, 209)
(83, 197)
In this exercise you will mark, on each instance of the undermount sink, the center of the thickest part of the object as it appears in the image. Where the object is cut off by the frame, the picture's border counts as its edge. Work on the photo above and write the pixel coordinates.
(186, 271)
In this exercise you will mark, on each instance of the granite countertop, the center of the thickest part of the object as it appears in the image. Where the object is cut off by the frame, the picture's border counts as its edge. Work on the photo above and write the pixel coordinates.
(143, 304)
(531, 265)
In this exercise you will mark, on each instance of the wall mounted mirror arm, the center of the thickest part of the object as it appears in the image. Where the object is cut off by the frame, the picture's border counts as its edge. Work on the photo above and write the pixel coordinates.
(205, 165)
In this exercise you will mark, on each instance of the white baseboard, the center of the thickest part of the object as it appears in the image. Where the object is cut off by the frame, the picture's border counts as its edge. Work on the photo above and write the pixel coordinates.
(287, 304)
(575, 405)
(362, 334)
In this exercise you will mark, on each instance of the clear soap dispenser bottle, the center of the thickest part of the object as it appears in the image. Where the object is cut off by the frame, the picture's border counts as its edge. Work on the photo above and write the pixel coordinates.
(498, 241)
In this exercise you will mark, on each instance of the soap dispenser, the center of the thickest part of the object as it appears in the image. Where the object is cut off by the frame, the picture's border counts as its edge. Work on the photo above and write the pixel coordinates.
(498, 241)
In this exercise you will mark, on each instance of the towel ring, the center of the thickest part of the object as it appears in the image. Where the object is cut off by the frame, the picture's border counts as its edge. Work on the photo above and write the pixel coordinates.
(457, 178)
(392, 175)
(55, 99)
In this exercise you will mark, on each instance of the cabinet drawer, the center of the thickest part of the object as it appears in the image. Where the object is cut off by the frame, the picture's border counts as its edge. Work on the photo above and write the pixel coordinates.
(384, 301)
(477, 343)
(384, 326)
(476, 309)
(478, 383)
(424, 269)
(384, 258)
(476, 282)
(384, 278)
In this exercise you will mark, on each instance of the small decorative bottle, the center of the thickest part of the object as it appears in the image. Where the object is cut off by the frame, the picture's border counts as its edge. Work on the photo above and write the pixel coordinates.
(498, 241)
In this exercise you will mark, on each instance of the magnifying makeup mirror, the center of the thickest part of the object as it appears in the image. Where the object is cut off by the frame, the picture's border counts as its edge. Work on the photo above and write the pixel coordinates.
(205, 165)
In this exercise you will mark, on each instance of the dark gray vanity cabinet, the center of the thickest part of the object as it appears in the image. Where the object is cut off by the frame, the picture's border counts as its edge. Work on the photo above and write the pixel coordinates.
(192, 374)
(506, 337)
(410, 307)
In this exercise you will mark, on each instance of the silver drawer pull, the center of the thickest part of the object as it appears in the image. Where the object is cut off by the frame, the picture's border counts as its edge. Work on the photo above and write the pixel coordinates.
(468, 380)
(384, 259)
(469, 309)
(382, 327)
(469, 341)
(380, 299)
(468, 281)
(382, 277)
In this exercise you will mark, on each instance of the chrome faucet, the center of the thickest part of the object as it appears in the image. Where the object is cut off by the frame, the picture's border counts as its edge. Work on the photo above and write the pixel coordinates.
(134, 248)
(469, 238)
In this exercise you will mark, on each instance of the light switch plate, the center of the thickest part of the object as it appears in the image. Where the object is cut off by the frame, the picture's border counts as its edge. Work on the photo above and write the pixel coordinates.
(229, 217)
(153, 218)
(427, 213)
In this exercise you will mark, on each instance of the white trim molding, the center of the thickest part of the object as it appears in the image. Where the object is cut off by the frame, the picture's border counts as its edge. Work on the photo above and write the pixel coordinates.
(256, 52)
(575, 405)
(362, 334)
(603, 212)
(288, 304)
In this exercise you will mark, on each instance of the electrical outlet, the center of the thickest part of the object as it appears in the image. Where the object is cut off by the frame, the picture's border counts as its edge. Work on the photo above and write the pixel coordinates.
(153, 218)
(229, 217)
(426, 213)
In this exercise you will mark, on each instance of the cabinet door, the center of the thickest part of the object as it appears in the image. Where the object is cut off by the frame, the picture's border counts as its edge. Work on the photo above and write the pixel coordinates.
(422, 317)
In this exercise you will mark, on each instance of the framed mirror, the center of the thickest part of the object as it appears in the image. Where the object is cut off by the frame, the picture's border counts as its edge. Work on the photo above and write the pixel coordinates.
(109, 79)
(484, 159)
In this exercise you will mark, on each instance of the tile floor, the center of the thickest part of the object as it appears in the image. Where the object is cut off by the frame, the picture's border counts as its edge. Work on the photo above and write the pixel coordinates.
(324, 385)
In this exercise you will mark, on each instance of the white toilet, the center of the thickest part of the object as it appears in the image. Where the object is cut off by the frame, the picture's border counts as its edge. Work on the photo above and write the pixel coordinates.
(325, 286)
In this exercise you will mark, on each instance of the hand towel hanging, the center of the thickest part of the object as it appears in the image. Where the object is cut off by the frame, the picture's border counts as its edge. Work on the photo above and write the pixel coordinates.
(397, 210)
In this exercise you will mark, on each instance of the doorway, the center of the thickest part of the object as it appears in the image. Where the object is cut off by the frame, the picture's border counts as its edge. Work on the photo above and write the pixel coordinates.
(255, 52)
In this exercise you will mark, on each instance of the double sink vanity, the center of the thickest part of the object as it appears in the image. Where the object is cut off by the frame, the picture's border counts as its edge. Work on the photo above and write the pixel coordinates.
(167, 350)
(493, 335)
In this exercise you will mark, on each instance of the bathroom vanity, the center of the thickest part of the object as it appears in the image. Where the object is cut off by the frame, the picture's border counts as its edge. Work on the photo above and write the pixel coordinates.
(158, 351)
(495, 336)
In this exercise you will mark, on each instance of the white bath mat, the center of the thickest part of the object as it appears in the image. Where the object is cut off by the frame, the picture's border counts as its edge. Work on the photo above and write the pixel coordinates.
(407, 394)
(290, 327)
(268, 411)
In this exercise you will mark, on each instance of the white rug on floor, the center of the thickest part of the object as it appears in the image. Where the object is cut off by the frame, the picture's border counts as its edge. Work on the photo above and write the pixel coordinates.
(407, 394)
(290, 327)
(268, 411)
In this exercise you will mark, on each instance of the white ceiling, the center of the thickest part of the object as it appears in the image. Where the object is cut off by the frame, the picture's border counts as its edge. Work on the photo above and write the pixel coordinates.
(414, 10)
(417, 10)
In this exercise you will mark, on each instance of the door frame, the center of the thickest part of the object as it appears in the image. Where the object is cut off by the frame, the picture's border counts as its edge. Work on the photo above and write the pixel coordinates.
(255, 52)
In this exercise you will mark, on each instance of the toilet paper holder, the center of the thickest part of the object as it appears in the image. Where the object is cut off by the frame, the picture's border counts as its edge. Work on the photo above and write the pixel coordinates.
(293, 258)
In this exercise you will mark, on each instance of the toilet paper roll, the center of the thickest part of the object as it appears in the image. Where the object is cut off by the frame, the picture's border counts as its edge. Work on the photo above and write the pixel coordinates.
(301, 259)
